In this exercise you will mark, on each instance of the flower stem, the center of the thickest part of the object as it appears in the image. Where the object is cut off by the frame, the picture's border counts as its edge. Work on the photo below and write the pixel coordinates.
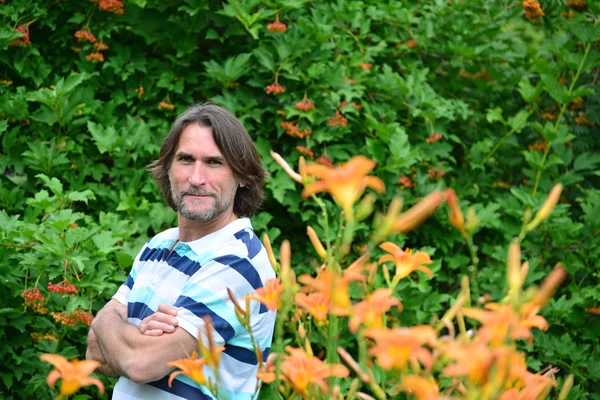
(562, 111)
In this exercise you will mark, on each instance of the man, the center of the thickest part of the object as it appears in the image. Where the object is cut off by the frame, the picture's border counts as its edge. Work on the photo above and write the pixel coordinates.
(210, 173)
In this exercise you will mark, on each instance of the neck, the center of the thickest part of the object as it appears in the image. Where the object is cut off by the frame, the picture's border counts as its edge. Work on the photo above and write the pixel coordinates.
(193, 230)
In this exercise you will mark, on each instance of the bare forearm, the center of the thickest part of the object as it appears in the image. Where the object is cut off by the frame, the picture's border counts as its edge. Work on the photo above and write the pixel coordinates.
(130, 353)
(94, 353)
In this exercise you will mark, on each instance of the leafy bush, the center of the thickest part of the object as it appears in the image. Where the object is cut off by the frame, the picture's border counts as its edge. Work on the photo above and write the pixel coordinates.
(498, 100)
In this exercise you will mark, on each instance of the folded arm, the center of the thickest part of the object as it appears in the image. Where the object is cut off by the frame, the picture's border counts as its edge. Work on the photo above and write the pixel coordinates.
(126, 351)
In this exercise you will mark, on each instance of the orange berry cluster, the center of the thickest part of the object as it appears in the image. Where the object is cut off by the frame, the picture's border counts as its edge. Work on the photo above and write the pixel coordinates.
(583, 120)
(338, 120)
(412, 44)
(100, 46)
(434, 138)
(405, 182)
(64, 287)
(111, 6)
(305, 105)
(324, 160)
(276, 27)
(533, 10)
(34, 299)
(77, 317)
(548, 116)
(294, 130)
(22, 41)
(43, 336)
(166, 105)
(306, 151)
(577, 5)
(95, 58)
(576, 104)
(84, 35)
(345, 104)
(275, 88)
(537, 146)
(435, 174)
(366, 66)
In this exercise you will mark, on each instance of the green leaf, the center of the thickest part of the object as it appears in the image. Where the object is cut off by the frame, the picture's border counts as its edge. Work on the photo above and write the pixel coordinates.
(106, 139)
(586, 161)
(495, 114)
(53, 184)
(555, 89)
(519, 121)
(529, 92)
(7, 224)
(105, 242)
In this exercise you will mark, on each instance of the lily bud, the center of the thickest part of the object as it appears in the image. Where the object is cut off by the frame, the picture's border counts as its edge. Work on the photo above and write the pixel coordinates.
(547, 207)
(286, 167)
(566, 388)
(270, 254)
(514, 267)
(473, 220)
(417, 214)
(314, 239)
(550, 285)
(456, 216)
(302, 168)
(365, 207)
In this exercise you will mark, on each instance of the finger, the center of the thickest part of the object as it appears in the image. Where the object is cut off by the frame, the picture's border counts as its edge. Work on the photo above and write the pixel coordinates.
(153, 325)
(167, 309)
(153, 332)
(161, 317)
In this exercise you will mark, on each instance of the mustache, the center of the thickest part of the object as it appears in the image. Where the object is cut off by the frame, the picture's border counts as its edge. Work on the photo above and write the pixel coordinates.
(196, 192)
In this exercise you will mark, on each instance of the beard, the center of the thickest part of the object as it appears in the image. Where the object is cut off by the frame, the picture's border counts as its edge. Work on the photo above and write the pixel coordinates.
(206, 214)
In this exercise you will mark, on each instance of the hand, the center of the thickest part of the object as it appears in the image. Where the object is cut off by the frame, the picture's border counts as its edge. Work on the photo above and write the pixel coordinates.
(162, 321)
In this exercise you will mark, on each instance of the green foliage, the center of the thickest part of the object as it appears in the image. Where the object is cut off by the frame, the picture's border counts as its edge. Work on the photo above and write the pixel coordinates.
(515, 101)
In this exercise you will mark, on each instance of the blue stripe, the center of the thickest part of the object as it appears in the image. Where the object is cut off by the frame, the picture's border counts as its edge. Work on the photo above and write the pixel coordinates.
(266, 353)
(129, 282)
(153, 254)
(183, 264)
(252, 242)
(180, 389)
(200, 310)
(138, 310)
(245, 268)
(240, 354)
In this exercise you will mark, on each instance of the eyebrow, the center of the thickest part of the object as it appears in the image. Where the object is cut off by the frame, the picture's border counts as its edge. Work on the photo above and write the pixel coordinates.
(181, 154)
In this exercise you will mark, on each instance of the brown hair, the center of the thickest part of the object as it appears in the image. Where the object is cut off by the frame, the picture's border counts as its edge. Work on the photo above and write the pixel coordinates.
(235, 145)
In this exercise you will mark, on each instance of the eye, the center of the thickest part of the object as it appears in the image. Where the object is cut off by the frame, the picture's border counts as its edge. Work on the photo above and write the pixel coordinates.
(185, 158)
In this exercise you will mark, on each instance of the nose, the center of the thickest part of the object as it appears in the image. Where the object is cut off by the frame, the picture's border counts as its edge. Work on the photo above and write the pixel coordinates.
(198, 175)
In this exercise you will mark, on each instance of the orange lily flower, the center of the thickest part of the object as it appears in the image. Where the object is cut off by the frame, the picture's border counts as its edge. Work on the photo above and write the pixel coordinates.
(417, 214)
(270, 294)
(395, 347)
(317, 304)
(420, 387)
(502, 321)
(333, 287)
(346, 183)
(191, 367)
(369, 312)
(74, 374)
(473, 360)
(405, 261)
(302, 370)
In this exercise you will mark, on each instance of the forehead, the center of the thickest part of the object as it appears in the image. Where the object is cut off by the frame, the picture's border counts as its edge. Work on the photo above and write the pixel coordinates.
(197, 139)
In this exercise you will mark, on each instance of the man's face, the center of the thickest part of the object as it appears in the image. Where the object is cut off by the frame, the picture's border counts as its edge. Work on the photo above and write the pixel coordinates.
(202, 184)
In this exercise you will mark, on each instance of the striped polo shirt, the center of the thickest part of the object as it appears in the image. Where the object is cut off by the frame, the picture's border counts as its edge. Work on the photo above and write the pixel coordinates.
(195, 278)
